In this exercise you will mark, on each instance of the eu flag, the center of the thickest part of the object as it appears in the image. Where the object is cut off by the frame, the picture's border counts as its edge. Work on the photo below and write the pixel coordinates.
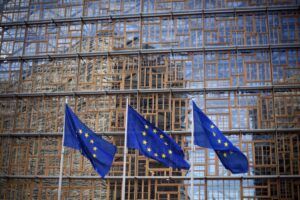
(208, 135)
(153, 142)
(78, 136)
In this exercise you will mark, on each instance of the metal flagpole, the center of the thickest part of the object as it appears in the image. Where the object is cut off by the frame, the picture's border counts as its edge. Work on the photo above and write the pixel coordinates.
(192, 156)
(125, 153)
(62, 157)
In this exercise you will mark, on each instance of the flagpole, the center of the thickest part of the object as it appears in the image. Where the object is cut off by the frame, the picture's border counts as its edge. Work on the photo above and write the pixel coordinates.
(192, 156)
(62, 157)
(125, 153)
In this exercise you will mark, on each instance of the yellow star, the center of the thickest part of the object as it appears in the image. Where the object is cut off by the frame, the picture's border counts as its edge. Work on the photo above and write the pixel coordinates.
(163, 155)
(86, 135)
(80, 131)
(144, 133)
(92, 141)
(225, 154)
(225, 144)
(146, 126)
(154, 131)
(219, 141)
(155, 154)
(94, 155)
(149, 149)
(214, 134)
(161, 136)
(212, 126)
(144, 142)
(166, 143)
(170, 152)
(95, 148)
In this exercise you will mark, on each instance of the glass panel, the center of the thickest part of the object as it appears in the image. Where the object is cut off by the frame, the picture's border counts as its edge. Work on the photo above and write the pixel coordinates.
(219, 30)
(283, 27)
(286, 66)
(9, 76)
(97, 36)
(251, 29)
(126, 35)
(13, 41)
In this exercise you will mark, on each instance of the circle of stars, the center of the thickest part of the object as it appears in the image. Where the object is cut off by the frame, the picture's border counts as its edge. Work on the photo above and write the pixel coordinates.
(86, 135)
(161, 136)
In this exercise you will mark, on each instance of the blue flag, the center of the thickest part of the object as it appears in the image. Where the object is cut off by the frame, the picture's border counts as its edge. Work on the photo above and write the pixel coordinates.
(78, 136)
(153, 142)
(208, 135)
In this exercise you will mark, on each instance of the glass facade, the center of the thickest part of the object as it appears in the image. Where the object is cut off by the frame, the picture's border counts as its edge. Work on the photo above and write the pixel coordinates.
(239, 60)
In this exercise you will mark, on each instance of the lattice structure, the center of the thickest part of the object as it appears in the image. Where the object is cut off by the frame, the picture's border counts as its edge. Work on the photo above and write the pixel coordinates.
(237, 59)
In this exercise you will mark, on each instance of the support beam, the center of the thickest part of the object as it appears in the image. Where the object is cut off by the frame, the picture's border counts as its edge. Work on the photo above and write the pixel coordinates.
(152, 51)
(226, 132)
(150, 15)
(155, 177)
(145, 91)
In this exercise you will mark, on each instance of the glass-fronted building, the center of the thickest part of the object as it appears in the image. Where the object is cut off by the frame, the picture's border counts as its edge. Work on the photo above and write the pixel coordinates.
(239, 60)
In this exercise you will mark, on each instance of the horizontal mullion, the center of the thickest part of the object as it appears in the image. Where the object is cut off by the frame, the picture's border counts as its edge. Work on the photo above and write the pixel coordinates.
(149, 15)
(155, 177)
(120, 133)
(147, 91)
(150, 51)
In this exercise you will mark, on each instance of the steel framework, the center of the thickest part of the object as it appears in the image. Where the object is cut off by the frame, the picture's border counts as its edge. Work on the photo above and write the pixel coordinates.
(239, 60)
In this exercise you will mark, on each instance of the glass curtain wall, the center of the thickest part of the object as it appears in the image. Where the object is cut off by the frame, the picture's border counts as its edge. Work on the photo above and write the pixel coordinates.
(239, 60)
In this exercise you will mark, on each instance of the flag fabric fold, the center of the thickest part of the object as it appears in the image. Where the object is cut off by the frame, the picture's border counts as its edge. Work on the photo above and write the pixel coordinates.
(153, 142)
(78, 136)
(208, 135)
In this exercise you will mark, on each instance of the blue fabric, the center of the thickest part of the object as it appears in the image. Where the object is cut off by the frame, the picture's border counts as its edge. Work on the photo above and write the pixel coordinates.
(78, 136)
(153, 142)
(208, 135)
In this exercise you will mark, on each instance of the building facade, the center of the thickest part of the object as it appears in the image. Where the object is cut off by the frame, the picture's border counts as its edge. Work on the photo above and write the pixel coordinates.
(239, 60)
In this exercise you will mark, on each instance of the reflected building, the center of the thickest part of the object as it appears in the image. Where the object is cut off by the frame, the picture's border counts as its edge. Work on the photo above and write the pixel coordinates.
(239, 60)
